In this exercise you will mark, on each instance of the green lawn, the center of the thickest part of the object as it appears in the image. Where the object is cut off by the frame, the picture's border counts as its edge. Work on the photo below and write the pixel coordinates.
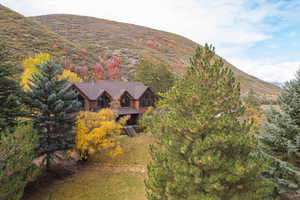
(96, 185)
(104, 178)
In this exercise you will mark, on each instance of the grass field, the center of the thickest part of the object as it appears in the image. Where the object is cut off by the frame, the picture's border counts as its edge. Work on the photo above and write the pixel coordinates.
(104, 178)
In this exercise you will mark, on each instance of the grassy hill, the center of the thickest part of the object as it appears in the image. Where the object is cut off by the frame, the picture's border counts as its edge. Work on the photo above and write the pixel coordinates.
(24, 38)
(67, 35)
(132, 42)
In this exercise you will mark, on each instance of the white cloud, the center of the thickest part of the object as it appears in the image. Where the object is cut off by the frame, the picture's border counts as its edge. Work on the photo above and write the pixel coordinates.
(230, 25)
(268, 70)
(217, 22)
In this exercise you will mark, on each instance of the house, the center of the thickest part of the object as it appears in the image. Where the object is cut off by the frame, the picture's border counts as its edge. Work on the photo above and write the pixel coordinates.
(133, 98)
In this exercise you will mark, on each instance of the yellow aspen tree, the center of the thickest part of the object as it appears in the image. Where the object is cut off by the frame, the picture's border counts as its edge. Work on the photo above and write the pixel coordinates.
(30, 66)
(70, 76)
(97, 131)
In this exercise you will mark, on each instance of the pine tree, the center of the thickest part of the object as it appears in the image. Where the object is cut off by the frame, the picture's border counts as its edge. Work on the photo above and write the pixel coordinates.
(52, 109)
(10, 107)
(280, 140)
(204, 151)
(16, 156)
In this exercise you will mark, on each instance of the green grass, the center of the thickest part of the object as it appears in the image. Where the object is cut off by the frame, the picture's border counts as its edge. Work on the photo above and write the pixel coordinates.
(90, 184)
(135, 152)
(103, 177)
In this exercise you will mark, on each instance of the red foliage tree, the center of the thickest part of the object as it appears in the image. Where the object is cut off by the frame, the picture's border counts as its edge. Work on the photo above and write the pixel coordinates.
(112, 66)
(66, 49)
(84, 52)
(98, 71)
(104, 67)
(83, 71)
(150, 43)
(114, 73)
(53, 46)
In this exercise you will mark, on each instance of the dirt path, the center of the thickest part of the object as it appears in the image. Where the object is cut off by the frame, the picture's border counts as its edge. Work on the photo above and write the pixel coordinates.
(117, 168)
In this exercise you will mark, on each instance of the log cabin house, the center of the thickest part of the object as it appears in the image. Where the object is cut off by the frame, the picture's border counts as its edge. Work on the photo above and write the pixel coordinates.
(134, 98)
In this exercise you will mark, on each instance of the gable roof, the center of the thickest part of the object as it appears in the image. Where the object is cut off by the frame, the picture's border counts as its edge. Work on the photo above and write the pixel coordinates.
(88, 90)
(114, 88)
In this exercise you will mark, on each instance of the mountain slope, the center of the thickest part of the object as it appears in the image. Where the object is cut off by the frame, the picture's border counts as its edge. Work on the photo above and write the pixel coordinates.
(132, 42)
(67, 35)
(24, 38)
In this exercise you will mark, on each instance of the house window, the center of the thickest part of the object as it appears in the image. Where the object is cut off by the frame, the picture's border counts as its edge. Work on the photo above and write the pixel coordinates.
(81, 100)
(147, 99)
(104, 101)
(125, 101)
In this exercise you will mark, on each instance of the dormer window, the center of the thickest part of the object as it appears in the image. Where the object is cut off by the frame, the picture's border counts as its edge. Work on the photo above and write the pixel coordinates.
(81, 100)
(147, 99)
(125, 100)
(104, 101)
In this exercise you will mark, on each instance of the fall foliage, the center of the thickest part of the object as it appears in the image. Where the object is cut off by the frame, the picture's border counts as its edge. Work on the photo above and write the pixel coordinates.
(70, 76)
(104, 68)
(153, 43)
(96, 131)
(32, 66)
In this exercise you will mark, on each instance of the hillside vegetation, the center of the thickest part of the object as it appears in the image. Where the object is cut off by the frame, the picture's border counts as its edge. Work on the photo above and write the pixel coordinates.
(24, 38)
(132, 42)
(67, 35)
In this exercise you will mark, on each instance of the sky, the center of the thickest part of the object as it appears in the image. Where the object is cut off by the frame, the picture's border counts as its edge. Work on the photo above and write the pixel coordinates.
(260, 37)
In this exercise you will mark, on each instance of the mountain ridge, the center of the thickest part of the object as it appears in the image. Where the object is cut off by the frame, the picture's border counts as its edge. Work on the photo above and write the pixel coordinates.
(24, 38)
(138, 42)
(28, 36)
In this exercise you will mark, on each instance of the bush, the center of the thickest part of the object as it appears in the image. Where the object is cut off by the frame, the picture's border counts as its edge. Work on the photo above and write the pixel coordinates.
(16, 155)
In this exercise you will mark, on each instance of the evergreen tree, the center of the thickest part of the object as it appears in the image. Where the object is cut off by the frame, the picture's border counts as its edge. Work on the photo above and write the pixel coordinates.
(280, 141)
(158, 77)
(52, 109)
(203, 151)
(10, 107)
(16, 156)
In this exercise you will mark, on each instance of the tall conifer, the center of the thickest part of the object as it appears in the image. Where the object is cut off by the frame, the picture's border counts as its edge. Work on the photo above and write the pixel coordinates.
(280, 140)
(52, 109)
(16, 156)
(204, 150)
(10, 107)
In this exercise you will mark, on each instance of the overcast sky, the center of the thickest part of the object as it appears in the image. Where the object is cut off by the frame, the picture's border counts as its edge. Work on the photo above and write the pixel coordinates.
(261, 37)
